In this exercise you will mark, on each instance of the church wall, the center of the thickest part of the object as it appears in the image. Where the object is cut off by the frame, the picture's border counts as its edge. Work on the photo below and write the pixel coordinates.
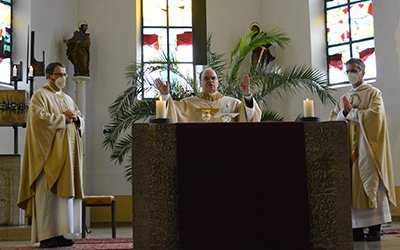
(295, 19)
(228, 21)
(387, 39)
(113, 47)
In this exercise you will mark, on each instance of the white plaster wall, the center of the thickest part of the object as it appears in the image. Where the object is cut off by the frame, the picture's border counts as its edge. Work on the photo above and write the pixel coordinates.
(228, 21)
(387, 39)
(112, 29)
(292, 18)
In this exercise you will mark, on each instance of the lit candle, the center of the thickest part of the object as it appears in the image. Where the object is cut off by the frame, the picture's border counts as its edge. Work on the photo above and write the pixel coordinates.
(160, 109)
(308, 107)
(15, 71)
(30, 71)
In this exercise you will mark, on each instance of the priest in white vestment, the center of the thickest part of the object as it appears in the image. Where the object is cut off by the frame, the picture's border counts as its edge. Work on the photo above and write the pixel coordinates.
(211, 103)
(51, 186)
(372, 183)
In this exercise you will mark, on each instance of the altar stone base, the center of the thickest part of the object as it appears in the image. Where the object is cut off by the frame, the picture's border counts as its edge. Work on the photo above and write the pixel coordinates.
(11, 228)
(9, 183)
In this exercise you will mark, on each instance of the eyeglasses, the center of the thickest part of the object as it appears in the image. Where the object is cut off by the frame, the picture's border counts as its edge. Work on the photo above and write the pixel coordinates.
(60, 74)
(352, 71)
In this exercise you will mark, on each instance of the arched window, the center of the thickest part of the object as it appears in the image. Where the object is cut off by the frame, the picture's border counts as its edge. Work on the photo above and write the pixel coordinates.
(349, 33)
(167, 36)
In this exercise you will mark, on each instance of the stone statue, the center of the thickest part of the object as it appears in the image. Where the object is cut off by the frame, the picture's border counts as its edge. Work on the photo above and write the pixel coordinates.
(262, 55)
(78, 50)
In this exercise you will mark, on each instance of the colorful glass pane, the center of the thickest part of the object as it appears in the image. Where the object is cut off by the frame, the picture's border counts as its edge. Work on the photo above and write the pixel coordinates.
(180, 12)
(362, 21)
(366, 51)
(175, 80)
(149, 76)
(337, 57)
(171, 40)
(337, 25)
(180, 84)
(154, 44)
(5, 41)
(181, 44)
(154, 13)
(333, 3)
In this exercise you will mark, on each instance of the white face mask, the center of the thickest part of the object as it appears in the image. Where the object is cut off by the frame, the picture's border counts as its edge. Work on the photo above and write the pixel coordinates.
(60, 82)
(354, 78)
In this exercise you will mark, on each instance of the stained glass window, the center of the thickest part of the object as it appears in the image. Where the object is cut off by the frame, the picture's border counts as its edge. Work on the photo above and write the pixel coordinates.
(349, 33)
(5, 41)
(167, 35)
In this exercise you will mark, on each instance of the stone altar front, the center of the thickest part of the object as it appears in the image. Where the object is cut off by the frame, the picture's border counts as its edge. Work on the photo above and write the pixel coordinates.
(241, 186)
(9, 184)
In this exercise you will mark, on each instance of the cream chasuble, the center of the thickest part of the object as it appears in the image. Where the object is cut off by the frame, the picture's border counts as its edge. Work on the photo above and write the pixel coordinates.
(52, 148)
(189, 109)
(369, 147)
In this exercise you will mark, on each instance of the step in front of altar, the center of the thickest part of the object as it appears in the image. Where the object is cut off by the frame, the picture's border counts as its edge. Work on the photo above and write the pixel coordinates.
(15, 233)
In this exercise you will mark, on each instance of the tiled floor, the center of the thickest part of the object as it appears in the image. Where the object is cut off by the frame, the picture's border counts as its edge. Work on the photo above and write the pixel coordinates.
(389, 242)
(97, 232)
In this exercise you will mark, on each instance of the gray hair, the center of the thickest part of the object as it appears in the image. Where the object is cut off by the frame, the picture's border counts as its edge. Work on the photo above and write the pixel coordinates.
(358, 61)
(208, 68)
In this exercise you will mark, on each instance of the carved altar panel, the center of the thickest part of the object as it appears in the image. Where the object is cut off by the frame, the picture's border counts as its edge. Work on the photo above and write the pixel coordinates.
(13, 107)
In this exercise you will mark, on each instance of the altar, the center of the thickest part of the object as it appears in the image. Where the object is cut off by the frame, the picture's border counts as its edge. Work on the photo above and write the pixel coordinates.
(9, 184)
(241, 186)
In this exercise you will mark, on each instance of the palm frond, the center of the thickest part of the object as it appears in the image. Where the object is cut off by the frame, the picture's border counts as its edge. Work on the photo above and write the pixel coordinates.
(215, 60)
(128, 170)
(122, 148)
(250, 42)
(309, 78)
(270, 115)
(139, 110)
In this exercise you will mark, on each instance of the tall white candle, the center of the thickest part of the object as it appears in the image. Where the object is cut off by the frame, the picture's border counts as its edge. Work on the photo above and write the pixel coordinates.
(15, 71)
(30, 71)
(161, 109)
(308, 108)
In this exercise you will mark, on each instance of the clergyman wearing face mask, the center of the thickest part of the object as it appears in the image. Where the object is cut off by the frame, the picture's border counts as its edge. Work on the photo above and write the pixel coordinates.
(51, 178)
(355, 74)
(60, 82)
(372, 189)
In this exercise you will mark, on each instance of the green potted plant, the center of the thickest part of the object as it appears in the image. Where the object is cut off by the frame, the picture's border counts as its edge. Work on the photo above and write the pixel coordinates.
(129, 108)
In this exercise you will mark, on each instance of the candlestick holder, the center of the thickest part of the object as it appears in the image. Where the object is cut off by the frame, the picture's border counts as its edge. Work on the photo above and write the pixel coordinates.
(15, 80)
(309, 119)
(30, 78)
(16, 74)
(161, 121)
